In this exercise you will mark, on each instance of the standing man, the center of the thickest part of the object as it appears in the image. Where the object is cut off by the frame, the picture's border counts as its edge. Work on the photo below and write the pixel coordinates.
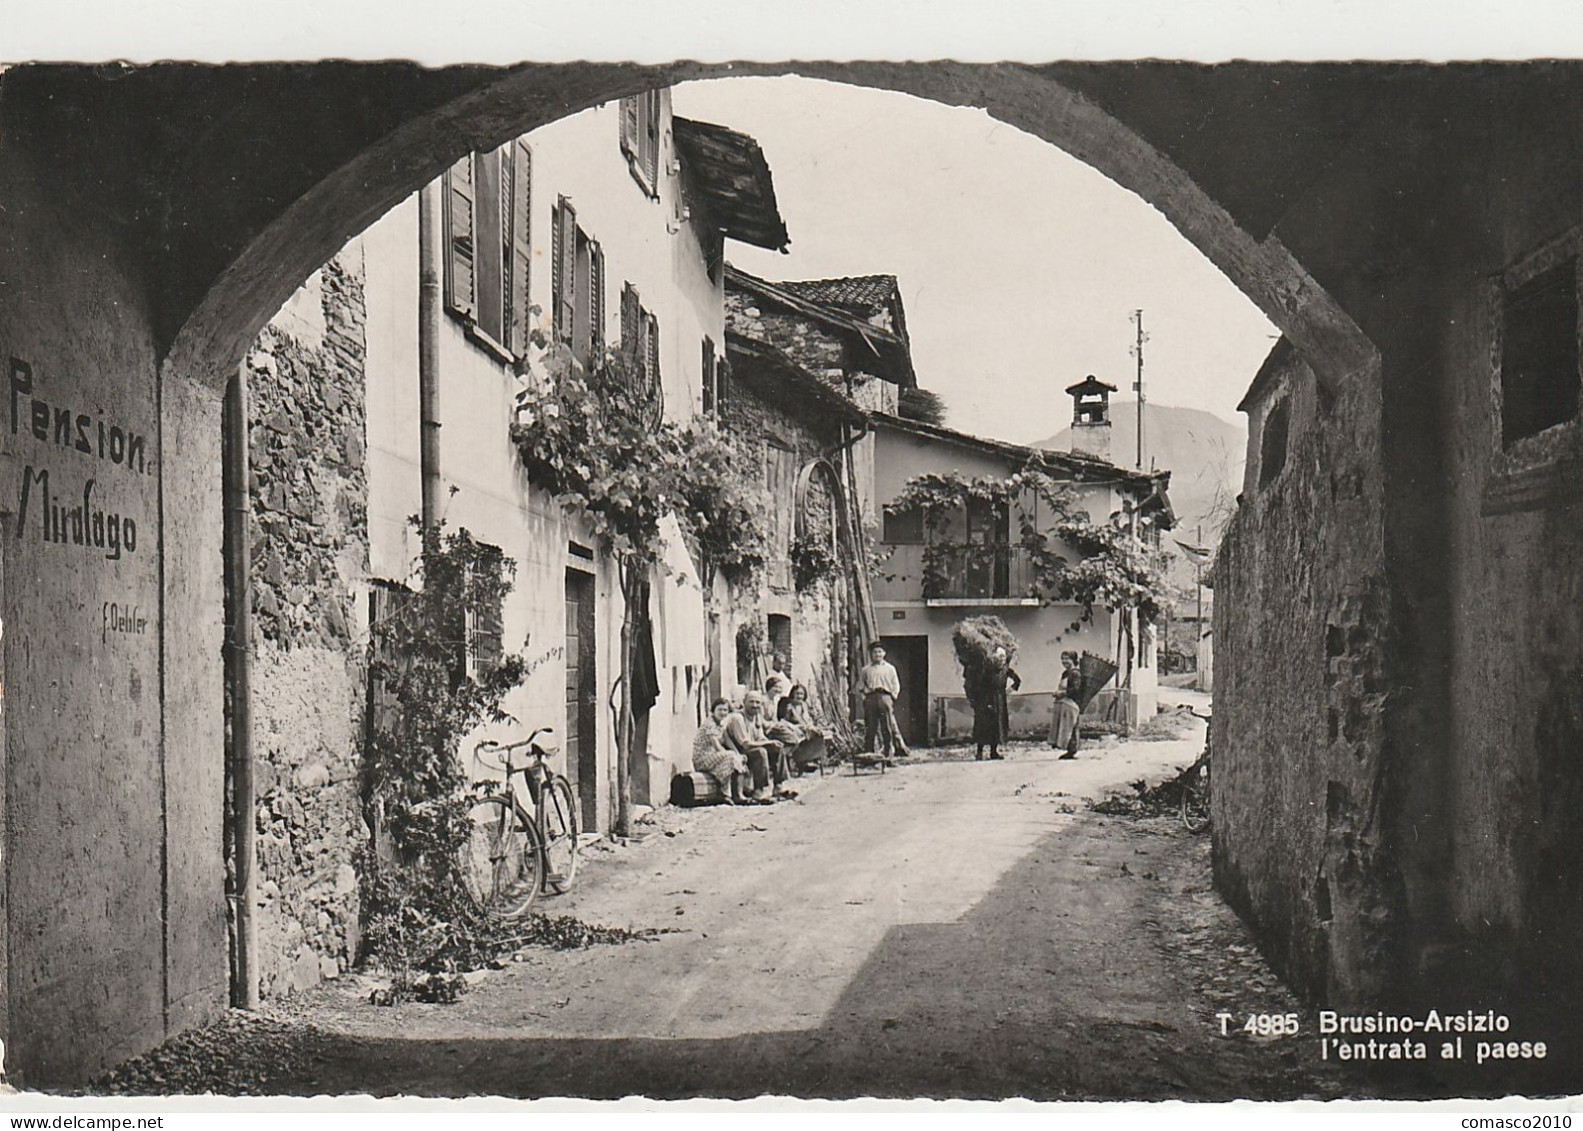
(880, 686)
(777, 686)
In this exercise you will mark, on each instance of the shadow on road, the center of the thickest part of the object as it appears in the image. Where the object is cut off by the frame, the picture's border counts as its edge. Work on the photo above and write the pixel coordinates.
(1063, 981)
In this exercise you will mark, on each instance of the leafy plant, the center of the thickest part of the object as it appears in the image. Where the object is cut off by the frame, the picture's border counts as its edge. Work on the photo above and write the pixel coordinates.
(753, 639)
(1114, 568)
(425, 704)
(590, 438)
(595, 439)
(724, 509)
(813, 560)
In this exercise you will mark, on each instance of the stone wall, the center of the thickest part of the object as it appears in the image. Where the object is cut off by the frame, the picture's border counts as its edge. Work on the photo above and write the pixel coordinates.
(811, 345)
(1301, 620)
(309, 561)
(820, 613)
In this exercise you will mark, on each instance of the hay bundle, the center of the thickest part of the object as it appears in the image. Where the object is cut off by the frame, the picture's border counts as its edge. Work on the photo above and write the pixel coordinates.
(975, 640)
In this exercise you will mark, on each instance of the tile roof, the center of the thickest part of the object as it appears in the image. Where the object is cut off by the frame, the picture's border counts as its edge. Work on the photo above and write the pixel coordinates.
(730, 174)
(866, 291)
(887, 337)
(1084, 467)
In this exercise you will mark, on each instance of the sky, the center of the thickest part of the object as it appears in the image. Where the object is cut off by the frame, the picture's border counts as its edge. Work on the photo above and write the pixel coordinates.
(1019, 266)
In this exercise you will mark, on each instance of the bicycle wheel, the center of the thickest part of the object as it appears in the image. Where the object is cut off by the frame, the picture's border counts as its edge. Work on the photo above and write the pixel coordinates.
(1195, 798)
(558, 823)
(502, 867)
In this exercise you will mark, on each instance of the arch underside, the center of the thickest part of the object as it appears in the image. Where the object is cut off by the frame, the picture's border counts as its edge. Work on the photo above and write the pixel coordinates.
(280, 242)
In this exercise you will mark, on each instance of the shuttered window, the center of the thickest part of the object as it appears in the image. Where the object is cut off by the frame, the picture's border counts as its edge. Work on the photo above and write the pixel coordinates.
(630, 127)
(631, 315)
(710, 376)
(640, 342)
(489, 236)
(596, 300)
(520, 251)
(563, 282)
(487, 203)
(641, 127)
(485, 615)
(651, 139)
(651, 354)
(577, 286)
(457, 195)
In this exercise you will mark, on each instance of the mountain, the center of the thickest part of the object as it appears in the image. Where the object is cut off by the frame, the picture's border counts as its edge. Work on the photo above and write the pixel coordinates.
(1203, 453)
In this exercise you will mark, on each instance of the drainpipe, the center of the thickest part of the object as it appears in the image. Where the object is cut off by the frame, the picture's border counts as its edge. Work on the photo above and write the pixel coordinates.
(429, 353)
(238, 661)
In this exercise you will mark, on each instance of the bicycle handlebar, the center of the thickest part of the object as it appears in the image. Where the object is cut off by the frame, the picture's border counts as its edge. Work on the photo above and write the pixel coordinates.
(490, 746)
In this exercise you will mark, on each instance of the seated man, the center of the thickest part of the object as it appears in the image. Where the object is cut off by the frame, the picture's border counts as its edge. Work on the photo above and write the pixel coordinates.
(744, 733)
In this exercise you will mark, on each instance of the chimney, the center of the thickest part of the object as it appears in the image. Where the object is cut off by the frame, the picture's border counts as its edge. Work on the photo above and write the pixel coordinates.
(1091, 417)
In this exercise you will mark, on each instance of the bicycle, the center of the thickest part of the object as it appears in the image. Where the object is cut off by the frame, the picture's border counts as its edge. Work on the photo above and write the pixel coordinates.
(1195, 787)
(512, 855)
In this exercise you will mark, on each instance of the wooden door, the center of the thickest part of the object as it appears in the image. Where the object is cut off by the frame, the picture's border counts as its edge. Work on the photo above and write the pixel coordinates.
(910, 655)
(582, 690)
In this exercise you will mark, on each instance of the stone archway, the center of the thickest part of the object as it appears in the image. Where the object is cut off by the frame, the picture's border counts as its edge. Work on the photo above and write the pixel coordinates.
(308, 230)
(188, 208)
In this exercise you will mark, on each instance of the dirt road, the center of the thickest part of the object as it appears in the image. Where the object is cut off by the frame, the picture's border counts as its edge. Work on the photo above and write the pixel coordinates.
(947, 929)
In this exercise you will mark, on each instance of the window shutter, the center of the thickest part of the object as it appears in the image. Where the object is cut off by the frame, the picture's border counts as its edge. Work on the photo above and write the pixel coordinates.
(651, 355)
(709, 377)
(596, 303)
(565, 268)
(651, 141)
(519, 252)
(557, 279)
(457, 195)
(630, 333)
(505, 158)
(629, 125)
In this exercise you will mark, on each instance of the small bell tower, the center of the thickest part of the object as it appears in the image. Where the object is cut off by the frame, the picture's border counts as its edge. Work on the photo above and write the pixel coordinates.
(1091, 416)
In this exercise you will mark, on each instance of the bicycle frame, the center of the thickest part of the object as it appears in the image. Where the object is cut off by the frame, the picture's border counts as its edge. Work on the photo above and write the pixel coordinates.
(534, 772)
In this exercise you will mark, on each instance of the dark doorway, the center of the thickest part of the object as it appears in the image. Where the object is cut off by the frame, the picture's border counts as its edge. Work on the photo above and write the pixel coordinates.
(781, 638)
(582, 684)
(910, 655)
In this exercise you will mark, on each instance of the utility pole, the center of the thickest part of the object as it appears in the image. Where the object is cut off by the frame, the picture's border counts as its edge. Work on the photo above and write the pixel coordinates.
(1137, 352)
(1198, 582)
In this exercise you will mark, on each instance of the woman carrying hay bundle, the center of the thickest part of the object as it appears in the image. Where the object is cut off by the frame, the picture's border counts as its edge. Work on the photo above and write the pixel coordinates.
(985, 648)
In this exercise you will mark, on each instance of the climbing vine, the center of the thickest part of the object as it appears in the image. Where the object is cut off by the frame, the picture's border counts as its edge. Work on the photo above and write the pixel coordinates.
(1114, 569)
(416, 911)
(589, 437)
(813, 560)
(595, 440)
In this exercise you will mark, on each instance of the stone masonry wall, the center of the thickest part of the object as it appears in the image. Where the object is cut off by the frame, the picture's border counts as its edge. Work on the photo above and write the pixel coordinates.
(1301, 624)
(819, 614)
(309, 559)
(818, 350)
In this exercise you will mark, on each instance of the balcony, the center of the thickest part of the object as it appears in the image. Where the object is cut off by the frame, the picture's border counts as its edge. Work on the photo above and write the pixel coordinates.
(992, 574)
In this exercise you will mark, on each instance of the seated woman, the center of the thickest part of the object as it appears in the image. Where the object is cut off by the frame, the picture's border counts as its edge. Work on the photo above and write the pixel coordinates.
(804, 735)
(710, 755)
